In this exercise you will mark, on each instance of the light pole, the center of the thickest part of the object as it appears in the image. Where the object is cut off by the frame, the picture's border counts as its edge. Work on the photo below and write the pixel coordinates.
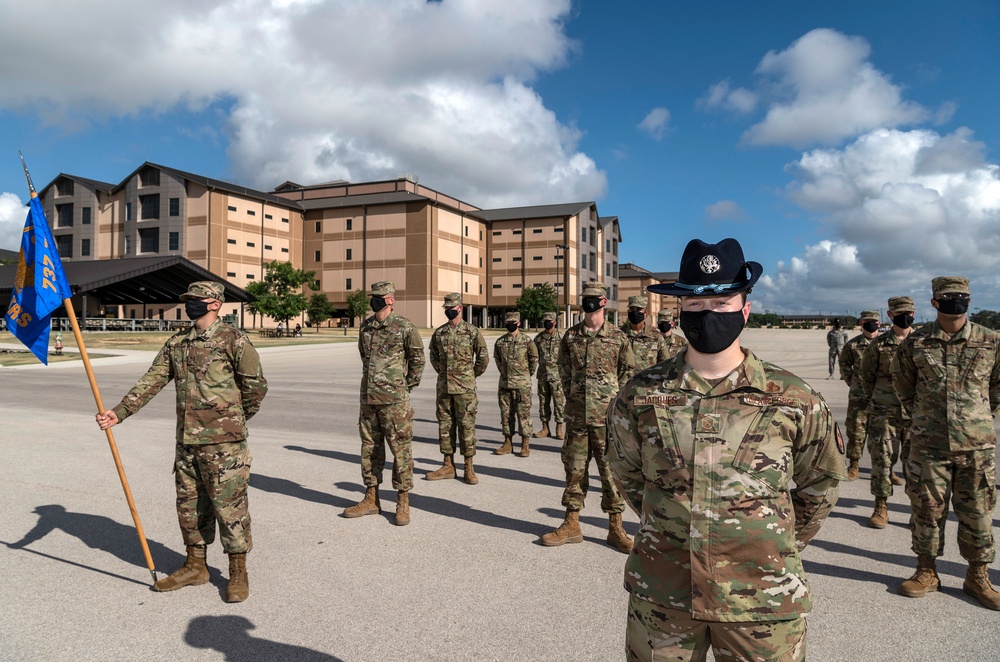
(564, 248)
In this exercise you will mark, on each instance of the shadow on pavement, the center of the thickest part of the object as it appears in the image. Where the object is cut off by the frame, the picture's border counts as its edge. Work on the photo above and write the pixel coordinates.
(296, 491)
(862, 520)
(230, 636)
(599, 521)
(906, 562)
(497, 472)
(350, 458)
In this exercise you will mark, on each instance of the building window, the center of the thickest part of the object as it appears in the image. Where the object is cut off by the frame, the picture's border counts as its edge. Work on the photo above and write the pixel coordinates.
(64, 216)
(537, 231)
(249, 276)
(174, 241)
(150, 205)
(64, 187)
(614, 246)
(132, 313)
(593, 262)
(536, 284)
(149, 240)
(583, 261)
(583, 235)
(161, 313)
(319, 226)
(515, 232)
(466, 258)
(607, 269)
(496, 233)
(559, 257)
(614, 292)
(84, 247)
(480, 288)
(251, 212)
(149, 177)
(319, 256)
(466, 234)
(284, 220)
(516, 259)
(614, 269)
(350, 254)
(480, 239)
(516, 286)
(559, 229)
(348, 284)
(466, 286)
(268, 217)
(537, 257)
(64, 244)
(230, 274)
(267, 247)
(607, 245)
(85, 215)
(559, 284)
(593, 233)
(231, 241)
(284, 250)
(175, 207)
(251, 244)
(128, 211)
(177, 312)
(350, 224)
(480, 263)
(496, 286)
(128, 244)
(231, 208)
(496, 259)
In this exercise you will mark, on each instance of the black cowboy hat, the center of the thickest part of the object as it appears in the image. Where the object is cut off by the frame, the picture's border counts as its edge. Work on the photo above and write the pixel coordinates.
(712, 269)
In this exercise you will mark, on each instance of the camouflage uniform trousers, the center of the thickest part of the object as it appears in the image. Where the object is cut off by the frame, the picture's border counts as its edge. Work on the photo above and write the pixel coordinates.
(582, 443)
(657, 633)
(391, 425)
(834, 358)
(888, 441)
(456, 414)
(515, 406)
(212, 481)
(551, 401)
(857, 424)
(968, 479)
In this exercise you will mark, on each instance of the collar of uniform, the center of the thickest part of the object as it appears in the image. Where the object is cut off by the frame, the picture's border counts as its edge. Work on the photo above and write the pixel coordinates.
(195, 332)
(376, 322)
(748, 375)
(600, 332)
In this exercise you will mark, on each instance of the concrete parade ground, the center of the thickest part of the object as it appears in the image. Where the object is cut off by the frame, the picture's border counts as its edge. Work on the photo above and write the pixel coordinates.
(466, 580)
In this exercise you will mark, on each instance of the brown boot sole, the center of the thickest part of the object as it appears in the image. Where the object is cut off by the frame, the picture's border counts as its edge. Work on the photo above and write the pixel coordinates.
(501, 451)
(402, 521)
(920, 592)
(442, 476)
(350, 514)
(973, 594)
(556, 542)
(872, 524)
(239, 596)
(471, 480)
(623, 548)
(195, 582)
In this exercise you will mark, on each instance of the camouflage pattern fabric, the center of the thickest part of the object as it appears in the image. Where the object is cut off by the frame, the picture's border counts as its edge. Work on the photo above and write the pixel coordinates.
(551, 400)
(655, 632)
(459, 355)
(886, 428)
(648, 347)
(516, 358)
(593, 366)
(392, 354)
(969, 477)
(835, 340)
(710, 468)
(582, 443)
(857, 418)
(382, 425)
(218, 380)
(674, 343)
(456, 416)
(888, 442)
(211, 482)
(949, 388)
(515, 408)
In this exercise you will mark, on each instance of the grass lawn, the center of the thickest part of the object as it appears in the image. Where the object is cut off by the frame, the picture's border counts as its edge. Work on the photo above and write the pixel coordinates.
(26, 357)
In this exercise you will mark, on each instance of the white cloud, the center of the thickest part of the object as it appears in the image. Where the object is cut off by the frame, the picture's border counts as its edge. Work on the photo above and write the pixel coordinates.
(720, 95)
(655, 123)
(725, 210)
(355, 89)
(12, 215)
(901, 207)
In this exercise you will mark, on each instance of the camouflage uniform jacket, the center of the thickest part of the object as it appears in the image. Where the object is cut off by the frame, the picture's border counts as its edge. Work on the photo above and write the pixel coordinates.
(593, 366)
(648, 346)
(675, 344)
(459, 355)
(836, 339)
(218, 380)
(850, 365)
(950, 386)
(875, 375)
(547, 345)
(392, 354)
(709, 470)
(517, 360)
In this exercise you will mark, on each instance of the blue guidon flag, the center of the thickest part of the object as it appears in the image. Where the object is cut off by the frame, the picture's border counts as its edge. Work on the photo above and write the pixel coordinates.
(39, 286)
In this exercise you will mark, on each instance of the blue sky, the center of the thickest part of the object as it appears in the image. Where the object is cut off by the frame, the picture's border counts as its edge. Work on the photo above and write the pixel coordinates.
(852, 149)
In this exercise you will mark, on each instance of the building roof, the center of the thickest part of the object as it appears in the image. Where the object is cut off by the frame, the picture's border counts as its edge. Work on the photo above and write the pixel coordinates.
(105, 187)
(665, 276)
(360, 200)
(216, 185)
(534, 211)
(132, 280)
(9, 255)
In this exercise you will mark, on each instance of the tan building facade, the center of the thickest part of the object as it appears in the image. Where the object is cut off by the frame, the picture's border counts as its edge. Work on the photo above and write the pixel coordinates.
(634, 281)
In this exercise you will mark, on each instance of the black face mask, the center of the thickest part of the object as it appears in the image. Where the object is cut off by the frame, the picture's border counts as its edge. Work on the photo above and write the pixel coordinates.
(903, 320)
(378, 303)
(710, 332)
(511, 326)
(548, 324)
(870, 326)
(451, 313)
(195, 309)
(591, 304)
(664, 326)
(953, 306)
(636, 317)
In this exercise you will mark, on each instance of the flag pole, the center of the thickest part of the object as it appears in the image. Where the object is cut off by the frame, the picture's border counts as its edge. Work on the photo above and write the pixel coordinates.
(68, 304)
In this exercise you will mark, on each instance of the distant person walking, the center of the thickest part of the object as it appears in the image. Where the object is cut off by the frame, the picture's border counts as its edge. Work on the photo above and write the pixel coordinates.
(516, 358)
(850, 372)
(551, 400)
(836, 338)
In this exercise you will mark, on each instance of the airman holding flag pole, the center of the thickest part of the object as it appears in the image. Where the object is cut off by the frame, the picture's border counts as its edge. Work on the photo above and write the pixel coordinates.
(40, 287)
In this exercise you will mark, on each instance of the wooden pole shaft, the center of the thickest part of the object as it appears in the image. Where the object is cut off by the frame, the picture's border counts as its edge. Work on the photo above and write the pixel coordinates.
(111, 438)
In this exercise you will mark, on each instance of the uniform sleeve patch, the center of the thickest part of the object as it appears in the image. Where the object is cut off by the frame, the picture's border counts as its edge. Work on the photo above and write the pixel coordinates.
(840, 439)
(757, 400)
(667, 400)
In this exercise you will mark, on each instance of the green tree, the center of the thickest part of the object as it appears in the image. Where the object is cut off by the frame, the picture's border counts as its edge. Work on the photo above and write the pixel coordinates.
(357, 304)
(988, 318)
(279, 294)
(320, 310)
(534, 302)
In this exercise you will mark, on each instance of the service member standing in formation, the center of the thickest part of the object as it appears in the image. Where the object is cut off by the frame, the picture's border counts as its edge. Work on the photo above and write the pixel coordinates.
(705, 446)
(947, 375)
(517, 359)
(392, 357)
(220, 385)
(595, 360)
(836, 338)
(458, 355)
(648, 347)
(850, 372)
(888, 435)
(674, 342)
(551, 400)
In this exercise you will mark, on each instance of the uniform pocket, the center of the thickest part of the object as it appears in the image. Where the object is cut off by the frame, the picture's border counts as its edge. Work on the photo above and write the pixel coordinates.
(928, 366)
(758, 455)
(656, 427)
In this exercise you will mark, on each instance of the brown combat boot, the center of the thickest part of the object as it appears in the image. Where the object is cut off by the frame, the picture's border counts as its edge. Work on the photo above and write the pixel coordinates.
(470, 472)
(617, 537)
(194, 572)
(525, 448)
(896, 480)
(447, 470)
(506, 448)
(559, 431)
(544, 432)
(924, 580)
(880, 517)
(568, 531)
(238, 588)
(402, 508)
(370, 505)
(853, 470)
(977, 585)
